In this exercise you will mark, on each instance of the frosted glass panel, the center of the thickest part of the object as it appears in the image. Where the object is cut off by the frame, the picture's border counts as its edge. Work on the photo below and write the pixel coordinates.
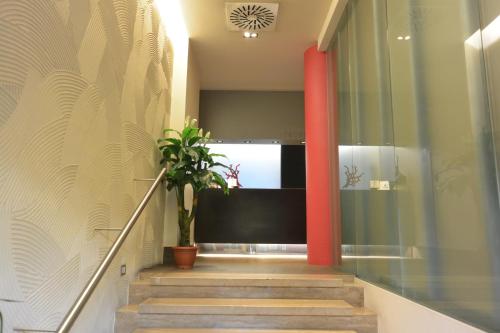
(366, 167)
(260, 165)
(418, 101)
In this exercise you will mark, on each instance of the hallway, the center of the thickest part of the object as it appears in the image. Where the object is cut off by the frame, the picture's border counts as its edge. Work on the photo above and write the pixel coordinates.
(359, 137)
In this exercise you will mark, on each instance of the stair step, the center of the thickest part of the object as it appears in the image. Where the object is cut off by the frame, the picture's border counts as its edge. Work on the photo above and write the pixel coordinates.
(218, 330)
(141, 290)
(248, 280)
(129, 318)
(240, 306)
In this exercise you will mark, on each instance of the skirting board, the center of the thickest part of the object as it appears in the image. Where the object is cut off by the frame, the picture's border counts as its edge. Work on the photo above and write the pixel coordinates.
(397, 314)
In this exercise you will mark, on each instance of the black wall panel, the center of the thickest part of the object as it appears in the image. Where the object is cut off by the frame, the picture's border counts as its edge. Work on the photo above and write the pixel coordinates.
(293, 166)
(252, 216)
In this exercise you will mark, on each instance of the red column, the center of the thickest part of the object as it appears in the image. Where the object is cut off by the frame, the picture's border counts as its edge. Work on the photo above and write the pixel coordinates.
(318, 175)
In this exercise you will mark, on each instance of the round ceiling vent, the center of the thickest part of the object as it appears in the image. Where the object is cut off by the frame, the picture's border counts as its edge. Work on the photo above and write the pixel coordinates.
(252, 16)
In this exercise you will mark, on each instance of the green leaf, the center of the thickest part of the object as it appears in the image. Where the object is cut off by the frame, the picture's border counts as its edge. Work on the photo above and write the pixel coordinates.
(174, 141)
(167, 130)
(217, 179)
(193, 154)
(217, 155)
(179, 165)
(219, 164)
(194, 140)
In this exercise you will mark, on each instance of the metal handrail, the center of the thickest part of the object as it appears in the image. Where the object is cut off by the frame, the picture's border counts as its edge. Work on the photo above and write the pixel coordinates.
(82, 299)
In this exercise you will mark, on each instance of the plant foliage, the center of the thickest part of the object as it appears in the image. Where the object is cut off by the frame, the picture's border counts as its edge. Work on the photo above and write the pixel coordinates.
(189, 162)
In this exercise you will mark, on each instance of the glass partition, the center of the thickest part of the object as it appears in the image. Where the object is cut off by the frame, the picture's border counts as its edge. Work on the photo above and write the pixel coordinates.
(418, 98)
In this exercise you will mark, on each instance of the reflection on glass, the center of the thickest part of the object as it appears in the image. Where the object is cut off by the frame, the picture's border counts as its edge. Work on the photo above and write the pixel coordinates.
(374, 169)
(418, 90)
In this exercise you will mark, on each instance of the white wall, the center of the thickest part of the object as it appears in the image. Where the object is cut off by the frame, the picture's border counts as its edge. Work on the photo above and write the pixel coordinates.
(397, 314)
(84, 92)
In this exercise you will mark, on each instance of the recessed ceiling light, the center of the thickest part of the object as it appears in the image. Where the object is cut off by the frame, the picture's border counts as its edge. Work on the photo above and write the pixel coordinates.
(400, 38)
(247, 141)
(407, 38)
(276, 141)
(303, 142)
(249, 34)
(219, 141)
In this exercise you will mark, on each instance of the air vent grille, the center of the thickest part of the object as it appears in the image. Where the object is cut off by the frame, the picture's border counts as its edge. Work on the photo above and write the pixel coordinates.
(251, 16)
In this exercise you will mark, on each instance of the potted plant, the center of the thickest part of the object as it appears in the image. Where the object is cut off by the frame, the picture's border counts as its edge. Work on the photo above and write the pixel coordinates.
(189, 162)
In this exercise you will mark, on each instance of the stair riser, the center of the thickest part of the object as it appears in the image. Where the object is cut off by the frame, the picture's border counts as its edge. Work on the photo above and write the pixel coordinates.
(249, 282)
(127, 322)
(246, 311)
(352, 295)
(346, 278)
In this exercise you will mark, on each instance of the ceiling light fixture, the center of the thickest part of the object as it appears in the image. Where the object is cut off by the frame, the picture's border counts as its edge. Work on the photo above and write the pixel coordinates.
(247, 141)
(219, 141)
(407, 38)
(400, 38)
(250, 34)
(276, 141)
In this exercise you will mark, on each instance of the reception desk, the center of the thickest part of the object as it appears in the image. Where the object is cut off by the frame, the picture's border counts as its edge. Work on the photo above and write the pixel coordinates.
(252, 216)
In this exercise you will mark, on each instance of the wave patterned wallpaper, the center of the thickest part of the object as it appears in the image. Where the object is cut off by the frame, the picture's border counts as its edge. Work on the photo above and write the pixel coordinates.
(84, 92)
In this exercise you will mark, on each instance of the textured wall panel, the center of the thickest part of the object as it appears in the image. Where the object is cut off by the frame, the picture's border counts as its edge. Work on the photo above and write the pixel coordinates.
(84, 93)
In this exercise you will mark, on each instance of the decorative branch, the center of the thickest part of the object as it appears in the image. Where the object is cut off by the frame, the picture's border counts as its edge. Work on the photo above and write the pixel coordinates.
(352, 176)
(234, 174)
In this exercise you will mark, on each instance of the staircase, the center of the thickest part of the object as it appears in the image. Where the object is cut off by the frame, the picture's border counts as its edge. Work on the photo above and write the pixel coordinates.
(242, 302)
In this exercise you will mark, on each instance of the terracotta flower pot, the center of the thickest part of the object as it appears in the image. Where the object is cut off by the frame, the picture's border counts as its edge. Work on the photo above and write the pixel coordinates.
(184, 256)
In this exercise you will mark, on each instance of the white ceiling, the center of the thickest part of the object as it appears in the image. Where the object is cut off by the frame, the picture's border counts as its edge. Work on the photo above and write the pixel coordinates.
(274, 61)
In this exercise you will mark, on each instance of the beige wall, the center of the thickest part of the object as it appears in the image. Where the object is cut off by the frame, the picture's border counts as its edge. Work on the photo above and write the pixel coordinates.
(84, 93)
(239, 115)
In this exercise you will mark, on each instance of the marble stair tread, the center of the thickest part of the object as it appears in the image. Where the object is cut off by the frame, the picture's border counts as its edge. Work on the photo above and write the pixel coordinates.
(140, 290)
(247, 280)
(227, 330)
(238, 306)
